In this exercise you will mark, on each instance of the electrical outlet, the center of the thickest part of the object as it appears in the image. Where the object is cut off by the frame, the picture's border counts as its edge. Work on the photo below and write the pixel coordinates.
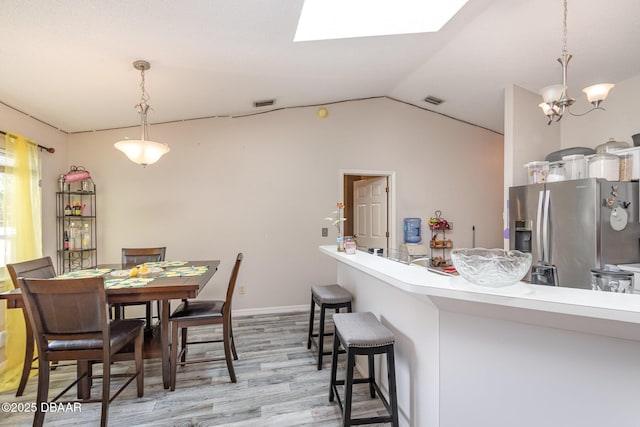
(242, 290)
(325, 232)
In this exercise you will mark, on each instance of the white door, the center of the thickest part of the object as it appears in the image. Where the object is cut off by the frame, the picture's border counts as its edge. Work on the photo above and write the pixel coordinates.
(370, 212)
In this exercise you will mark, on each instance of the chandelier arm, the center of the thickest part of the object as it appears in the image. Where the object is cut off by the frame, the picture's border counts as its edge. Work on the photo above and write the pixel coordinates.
(586, 112)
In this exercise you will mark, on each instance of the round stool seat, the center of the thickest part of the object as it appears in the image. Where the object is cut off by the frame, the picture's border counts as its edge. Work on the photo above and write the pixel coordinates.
(330, 294)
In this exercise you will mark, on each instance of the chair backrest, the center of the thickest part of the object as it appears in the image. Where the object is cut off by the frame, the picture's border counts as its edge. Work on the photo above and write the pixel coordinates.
(135, 256)
(232, 284)
(66, 309)
(39, 268)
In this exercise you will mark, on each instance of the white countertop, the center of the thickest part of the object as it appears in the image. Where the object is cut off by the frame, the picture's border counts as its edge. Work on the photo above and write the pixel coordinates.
(565, 301)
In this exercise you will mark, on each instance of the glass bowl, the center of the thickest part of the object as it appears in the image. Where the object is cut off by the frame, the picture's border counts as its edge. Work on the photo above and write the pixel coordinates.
(493, 268)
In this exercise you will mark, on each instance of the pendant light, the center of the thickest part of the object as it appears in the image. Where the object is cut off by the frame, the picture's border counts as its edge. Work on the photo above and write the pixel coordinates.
(557, 100)
(142, 151)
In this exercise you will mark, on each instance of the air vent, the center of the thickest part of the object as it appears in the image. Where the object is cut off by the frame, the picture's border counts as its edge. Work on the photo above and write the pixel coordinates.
(265, 103)
(433, 100)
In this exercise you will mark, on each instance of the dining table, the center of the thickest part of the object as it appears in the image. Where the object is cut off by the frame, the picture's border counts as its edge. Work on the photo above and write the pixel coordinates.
(162, 281)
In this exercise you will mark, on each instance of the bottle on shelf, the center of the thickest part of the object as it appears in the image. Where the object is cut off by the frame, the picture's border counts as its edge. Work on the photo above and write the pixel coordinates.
(66, 240)
(86, 237)
(67, 210)
(73, 237)
(77, 209)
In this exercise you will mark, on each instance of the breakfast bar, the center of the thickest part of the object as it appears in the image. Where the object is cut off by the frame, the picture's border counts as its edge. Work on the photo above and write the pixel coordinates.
(525, 355)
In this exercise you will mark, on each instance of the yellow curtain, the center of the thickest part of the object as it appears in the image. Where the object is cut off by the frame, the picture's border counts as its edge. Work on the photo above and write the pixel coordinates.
(22, 230)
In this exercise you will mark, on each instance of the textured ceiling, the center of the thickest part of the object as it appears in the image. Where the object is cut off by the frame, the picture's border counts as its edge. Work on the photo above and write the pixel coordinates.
(69, 63)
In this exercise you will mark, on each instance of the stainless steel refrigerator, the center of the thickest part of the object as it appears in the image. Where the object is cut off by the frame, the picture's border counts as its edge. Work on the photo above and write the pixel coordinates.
(571, 227)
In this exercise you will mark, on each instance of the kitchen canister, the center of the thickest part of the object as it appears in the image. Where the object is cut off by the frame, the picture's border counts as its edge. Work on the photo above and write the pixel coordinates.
(626, 167)
(604, 165)
(412, 230)
(576, 166)
(537, 171)
(557, 172)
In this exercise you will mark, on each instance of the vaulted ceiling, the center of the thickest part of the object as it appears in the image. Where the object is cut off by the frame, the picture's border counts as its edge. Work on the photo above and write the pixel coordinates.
(69, 63)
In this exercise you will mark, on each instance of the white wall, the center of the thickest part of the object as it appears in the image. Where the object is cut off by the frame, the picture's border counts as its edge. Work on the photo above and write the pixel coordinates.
(263, 184)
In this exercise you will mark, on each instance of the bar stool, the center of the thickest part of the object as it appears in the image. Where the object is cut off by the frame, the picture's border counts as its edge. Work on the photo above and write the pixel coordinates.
(363, 334)
(327, 297)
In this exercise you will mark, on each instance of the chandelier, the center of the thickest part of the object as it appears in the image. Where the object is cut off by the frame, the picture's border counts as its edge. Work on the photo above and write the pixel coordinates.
(557, 101)
(142, 151)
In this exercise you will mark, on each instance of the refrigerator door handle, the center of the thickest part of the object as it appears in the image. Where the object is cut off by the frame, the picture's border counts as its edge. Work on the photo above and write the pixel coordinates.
(545, 227)
(539, 226)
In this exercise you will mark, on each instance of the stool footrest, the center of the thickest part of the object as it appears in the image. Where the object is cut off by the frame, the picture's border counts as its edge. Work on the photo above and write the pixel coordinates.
(355, 381)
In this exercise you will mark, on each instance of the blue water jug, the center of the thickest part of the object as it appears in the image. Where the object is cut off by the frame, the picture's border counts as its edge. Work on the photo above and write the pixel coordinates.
(412, 230)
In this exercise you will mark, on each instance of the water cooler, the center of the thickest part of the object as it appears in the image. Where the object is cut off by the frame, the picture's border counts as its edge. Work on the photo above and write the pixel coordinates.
(412, 230)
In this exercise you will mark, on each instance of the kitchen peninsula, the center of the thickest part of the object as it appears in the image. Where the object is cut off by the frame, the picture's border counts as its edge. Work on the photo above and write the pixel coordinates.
(524, 355)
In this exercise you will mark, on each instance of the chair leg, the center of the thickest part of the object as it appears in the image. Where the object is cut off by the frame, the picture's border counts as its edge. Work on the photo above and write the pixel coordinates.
(183, 347)
(391, 377)
(174, 354)
(321, 336)
(348, 389)
(334, 366)
(311, 314)
(227, 349)
(106, 382)
(28, 357)
(43, 391)
(233, 342)
(372, 374)
(138, 351)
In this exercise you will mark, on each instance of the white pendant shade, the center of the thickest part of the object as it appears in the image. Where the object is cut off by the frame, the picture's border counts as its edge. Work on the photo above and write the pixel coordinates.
(546, 108)
(142, 152)
(598, 93)
(551, 94)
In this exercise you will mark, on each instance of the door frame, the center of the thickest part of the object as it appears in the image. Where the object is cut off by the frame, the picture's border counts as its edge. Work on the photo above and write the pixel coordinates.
(391, 176)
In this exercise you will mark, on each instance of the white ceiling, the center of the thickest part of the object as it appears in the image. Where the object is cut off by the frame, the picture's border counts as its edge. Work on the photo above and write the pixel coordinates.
(69, 62)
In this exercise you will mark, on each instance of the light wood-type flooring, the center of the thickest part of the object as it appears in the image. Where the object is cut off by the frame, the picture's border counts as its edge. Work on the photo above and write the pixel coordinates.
(278, 385)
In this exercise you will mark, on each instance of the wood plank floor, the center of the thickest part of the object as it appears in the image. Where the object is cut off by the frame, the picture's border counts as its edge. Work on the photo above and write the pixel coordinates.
(278, 385)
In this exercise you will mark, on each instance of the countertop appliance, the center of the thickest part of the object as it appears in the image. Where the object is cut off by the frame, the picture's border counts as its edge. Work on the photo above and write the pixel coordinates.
(635, 269)
(571, 227)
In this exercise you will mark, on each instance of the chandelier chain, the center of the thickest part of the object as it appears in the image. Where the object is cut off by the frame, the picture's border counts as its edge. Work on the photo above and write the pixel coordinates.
(145, 95)
(564, 32)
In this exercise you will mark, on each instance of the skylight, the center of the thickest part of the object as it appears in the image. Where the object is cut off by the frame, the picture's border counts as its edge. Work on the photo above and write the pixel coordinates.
(339, 19)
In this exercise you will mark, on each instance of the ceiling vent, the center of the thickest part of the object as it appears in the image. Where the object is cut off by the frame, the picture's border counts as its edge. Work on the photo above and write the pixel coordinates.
(265, 103)
(433, 100)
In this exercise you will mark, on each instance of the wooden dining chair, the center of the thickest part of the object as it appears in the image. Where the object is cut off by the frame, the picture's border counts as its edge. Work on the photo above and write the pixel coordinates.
(71, 322)
(132, 257)
(199, 313)
(40, 268)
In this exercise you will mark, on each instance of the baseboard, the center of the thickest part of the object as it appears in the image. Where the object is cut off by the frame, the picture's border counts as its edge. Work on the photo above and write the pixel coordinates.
(270, 310)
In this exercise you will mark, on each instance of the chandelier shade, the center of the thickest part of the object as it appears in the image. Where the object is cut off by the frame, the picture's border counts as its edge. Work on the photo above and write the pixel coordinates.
(142, 151)
(597, 93)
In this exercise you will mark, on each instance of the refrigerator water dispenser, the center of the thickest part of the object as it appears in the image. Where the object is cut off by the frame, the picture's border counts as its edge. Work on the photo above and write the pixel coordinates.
(523, 235)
